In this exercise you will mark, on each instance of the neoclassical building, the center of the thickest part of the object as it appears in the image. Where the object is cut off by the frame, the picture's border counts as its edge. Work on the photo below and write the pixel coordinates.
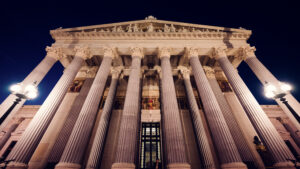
(150, 94)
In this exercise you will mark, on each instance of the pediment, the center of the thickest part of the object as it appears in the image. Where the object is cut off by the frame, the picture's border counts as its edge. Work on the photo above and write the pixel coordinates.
(149, 25)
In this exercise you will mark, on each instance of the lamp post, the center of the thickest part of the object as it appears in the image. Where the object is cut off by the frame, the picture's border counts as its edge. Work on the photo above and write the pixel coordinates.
(278, 92)
(22, 92)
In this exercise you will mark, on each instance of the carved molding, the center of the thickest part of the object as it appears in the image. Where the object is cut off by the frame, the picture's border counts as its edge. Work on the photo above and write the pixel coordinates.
(82, 51)
(209, 71)
(164, 52)
(54, 52)
(137, 51)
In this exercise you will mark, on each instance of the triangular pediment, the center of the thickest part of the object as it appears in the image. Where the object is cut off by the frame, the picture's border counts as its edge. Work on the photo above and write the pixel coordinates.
(151, 24)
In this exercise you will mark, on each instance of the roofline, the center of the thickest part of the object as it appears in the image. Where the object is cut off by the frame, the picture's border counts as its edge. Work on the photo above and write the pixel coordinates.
(157, 21)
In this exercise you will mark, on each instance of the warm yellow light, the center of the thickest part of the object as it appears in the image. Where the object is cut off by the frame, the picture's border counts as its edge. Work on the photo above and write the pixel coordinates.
(285, 87)
(30, 88)
(15, 88)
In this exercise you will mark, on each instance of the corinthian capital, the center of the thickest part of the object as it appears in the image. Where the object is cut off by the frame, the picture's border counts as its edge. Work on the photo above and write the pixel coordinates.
(191, 52)
(164, 52)
(219, 52)
(184, 71)
(116, 71)
(82, 51)
(248, 51)
(137, 51)
(110, 52)
(209, 71)
(54, 52)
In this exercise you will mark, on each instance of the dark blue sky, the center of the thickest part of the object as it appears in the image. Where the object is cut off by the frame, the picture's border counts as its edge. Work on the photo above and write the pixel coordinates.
(25, 26)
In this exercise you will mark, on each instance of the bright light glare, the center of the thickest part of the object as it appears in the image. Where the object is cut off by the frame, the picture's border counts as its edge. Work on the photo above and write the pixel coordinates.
(31, 95)
(269, 94)
(30, 88)
(270, 88)
(15, 88)
(285, 87)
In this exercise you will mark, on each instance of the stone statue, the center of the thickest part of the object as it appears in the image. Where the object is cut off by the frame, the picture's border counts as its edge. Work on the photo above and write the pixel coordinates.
(114, 29)
(135, 28)
(166, 28)
(129, 28)
(119, 29)
(172, 29)
(150, 28)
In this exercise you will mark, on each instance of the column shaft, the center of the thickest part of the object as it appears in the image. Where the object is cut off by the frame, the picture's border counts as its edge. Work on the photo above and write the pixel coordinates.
(265, 76)
(127, 142)
(205, 151)
(98, 143)
(227, 150)
(81, 132)
(259, 119)
(36, 75)
(66, 130)
(172, 128)
(9, 131)
(247, 154)
(25, 147)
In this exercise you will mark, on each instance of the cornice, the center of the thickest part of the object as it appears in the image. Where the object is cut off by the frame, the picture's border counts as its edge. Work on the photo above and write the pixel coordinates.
(60, 35)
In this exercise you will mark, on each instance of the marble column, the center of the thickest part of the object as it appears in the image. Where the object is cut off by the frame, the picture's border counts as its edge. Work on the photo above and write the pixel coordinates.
(247, 152)
(203, 144)
(227, 150)
(171, 124)
(128, 133)
(56, 136)
(265, 129)
(78, 140)
(98, 143)
(266, 77)
(36, 76)
(8, 132)
(25, 147)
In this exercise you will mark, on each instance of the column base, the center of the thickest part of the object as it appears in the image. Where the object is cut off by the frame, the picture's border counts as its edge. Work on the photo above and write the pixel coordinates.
(236, 165)
(284, 165)
(16, 165)
(178, 166)
(123, 166)
(68, 166)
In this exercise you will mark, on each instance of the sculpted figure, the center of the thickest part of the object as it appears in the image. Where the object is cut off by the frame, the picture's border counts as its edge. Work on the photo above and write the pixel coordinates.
(114, 29)
(135, 28)
(166, 28)
(173, 29)
(129, 28)
(150, 28)
(119, 29)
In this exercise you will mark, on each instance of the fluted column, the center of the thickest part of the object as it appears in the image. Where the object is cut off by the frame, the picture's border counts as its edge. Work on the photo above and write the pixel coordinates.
(11, 129)
(227, 150)
(128, 133)
(98, 143)
(36, 76)
(267, 132)
(25, 147)
(266, 77)
(171, 124)
(78, 140)
(247, 152)
(205, 151)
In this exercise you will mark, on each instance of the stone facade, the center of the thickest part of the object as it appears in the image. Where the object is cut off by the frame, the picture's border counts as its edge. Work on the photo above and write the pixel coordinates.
(150, 94)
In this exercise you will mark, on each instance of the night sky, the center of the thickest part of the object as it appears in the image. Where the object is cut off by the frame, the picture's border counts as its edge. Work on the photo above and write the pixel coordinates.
(25, 27)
